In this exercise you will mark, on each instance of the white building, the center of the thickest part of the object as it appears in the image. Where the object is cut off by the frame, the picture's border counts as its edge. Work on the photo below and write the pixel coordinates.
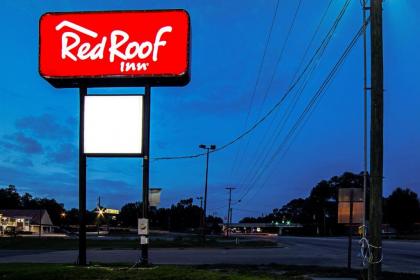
(25, 220)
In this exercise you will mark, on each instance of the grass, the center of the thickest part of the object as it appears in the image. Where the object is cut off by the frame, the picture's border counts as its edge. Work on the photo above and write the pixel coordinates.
(54, 243)
(70, 272)
(171, 272)
(306, 272)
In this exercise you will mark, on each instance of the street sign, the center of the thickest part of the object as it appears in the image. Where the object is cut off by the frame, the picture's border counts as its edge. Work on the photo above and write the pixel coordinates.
(113, 125)
(350, 199)
(143, 226)
(144, 240)
(154, 196)
(344, 213)
(118, 48)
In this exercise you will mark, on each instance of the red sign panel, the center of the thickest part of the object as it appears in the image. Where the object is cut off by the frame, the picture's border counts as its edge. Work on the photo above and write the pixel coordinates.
(120, 48)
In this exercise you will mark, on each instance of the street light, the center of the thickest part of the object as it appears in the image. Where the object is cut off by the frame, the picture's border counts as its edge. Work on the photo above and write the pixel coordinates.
(207, 148)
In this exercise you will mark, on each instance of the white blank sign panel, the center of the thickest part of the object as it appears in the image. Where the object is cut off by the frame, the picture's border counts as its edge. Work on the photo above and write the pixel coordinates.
(113, 124)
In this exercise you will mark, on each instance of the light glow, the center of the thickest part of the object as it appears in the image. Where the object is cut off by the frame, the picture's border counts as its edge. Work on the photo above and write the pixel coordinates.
(113, 124)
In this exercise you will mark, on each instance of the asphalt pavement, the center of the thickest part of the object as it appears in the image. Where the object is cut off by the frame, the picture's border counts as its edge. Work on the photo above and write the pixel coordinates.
(399, 256)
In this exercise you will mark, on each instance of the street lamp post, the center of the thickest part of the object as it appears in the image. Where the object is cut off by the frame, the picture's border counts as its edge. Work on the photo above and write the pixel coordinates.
(207, 148)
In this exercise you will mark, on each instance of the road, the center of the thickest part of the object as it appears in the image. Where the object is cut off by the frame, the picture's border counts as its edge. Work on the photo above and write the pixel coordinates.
(399, 256)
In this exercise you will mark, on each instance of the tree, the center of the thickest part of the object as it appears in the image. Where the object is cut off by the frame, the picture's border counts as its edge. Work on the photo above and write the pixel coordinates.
(292, 211)
(52, 206)
(402, 209)
(10, 198)
(318, 212)
(129, 214)
(27, 201)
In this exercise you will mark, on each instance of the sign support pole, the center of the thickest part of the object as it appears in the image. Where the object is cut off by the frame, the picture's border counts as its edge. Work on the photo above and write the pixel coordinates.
(146, 150)
(82, 181)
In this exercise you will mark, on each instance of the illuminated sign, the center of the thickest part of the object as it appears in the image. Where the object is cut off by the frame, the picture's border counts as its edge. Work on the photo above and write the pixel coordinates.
(120, 48)
(154, 196)
(113, 125)
(112, 211)
(346, 197)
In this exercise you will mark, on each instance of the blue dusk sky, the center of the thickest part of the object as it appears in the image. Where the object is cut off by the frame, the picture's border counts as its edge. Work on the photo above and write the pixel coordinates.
(231, 87)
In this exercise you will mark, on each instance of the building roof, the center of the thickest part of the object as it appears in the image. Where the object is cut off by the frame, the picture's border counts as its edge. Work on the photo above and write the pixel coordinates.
(35, 215)
(263, 225)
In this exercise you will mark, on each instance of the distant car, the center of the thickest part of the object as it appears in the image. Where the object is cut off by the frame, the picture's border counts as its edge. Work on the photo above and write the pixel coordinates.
(10, 231)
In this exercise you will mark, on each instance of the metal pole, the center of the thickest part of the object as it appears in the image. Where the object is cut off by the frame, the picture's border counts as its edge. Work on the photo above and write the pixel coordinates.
(146, 151)
(376, 141)
(205, 195)
(350, 230)
(82, 181)
(98, 216)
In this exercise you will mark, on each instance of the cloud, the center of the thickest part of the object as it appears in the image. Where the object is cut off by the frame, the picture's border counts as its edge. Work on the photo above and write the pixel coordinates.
(109, 185)
(21, 162)
(113, 193)
(21, 143)
(45, 126)
(59, 185)
(65, 153)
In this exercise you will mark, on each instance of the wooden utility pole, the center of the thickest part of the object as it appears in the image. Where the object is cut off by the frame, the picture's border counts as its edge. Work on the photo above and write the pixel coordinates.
(229, 217)
(376, 141)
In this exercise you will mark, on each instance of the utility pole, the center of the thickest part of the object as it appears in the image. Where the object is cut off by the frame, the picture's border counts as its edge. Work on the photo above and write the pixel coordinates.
(376, 141)
(229, 217)
(207, 148)
(365, 123)
(98, 216)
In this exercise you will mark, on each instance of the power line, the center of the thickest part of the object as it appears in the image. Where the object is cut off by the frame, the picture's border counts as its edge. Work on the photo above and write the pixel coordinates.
(286, 40)
(314, 61)
(314, 101)
(264, 149)
(257, 80)
(255, 125)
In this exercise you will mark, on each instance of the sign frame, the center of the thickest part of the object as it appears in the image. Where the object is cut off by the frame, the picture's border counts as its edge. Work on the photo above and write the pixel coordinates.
(120, 80)
(118, 155)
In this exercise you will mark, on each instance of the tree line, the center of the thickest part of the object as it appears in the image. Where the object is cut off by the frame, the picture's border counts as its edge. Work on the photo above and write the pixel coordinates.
(318, 212)
(182, 216)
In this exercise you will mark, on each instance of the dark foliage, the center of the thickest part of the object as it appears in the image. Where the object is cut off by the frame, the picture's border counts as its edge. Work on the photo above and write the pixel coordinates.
(402, 210)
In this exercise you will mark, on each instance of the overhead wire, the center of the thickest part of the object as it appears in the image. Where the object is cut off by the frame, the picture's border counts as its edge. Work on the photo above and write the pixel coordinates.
(263, 149)
(251, 128)
(257, 81)
(283, 47)
(307, 73)
(319, 93)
